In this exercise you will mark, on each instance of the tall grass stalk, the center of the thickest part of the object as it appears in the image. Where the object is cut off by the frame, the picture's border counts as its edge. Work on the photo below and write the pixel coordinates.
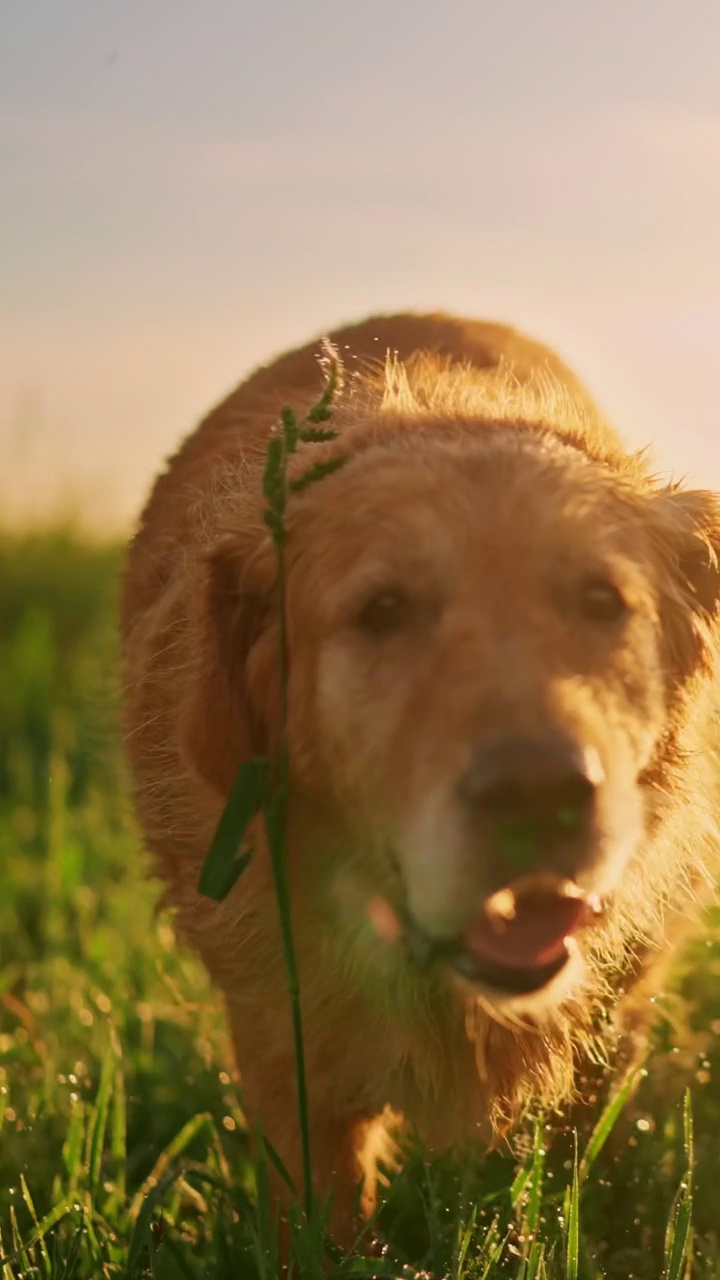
(264, 783)
(678, 1237)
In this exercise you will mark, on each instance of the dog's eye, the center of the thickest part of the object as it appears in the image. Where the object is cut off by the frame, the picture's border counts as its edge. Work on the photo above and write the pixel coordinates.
(383, 613)
(601, 601)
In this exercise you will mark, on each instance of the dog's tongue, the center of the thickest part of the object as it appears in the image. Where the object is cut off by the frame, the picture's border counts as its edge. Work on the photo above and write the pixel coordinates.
(526, 930)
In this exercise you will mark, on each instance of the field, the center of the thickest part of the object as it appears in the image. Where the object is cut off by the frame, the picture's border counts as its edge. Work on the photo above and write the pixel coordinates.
(124, 1150)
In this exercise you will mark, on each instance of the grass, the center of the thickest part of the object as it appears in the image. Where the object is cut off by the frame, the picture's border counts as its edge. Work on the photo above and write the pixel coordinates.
(123, 1148)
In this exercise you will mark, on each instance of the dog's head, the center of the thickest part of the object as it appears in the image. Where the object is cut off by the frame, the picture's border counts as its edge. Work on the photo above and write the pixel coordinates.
(491, 642)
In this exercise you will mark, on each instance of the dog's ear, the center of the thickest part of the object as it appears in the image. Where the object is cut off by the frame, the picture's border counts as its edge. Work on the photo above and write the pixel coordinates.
(685, 530)
(233, 687)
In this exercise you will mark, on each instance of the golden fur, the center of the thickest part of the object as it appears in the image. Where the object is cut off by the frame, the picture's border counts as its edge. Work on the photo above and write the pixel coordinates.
(482, 476)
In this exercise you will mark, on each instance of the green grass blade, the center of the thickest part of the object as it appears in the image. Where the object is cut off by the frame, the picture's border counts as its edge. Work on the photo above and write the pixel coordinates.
(69, 1272)
(317, 435)
(73, 1145)
(688, 1135)
(279, 1166)
(19, 1246)
(98, 1121)
(141, 1237)
(38, 1236)
(41, 1229)
(225, 860)
(265, 1231)
(534, 1201)
(572, 1257)
(177, 1254)
(607, 1121)
(173, 1150)
(275, 814)
(465, 1239)
(317, 472)
(91, 1234)
(519, 1184)
(527, 1193)
(536, 1261)
(118, 1132)
(678, 1237)
(7, 1271)
(493, 1249)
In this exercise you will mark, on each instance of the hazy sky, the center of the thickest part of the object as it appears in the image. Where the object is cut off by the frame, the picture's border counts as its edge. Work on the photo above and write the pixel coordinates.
(187, 187)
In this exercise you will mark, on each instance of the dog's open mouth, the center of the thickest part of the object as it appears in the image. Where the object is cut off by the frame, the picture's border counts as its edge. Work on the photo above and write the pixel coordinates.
(523, 938)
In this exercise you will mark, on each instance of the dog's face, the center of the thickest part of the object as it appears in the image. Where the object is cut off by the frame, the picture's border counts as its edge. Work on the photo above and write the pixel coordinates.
(487, 646)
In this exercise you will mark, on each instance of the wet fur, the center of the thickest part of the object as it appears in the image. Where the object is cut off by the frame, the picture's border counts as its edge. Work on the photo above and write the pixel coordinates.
(200, 647)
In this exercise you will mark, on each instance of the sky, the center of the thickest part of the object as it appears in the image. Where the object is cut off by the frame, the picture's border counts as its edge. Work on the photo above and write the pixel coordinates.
(188, 188)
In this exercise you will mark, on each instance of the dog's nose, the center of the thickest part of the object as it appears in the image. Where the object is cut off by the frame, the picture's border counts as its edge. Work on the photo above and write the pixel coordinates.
(533, 791)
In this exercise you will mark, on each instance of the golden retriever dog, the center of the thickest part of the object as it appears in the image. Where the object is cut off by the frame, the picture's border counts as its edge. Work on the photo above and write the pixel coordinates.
(501, 634)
